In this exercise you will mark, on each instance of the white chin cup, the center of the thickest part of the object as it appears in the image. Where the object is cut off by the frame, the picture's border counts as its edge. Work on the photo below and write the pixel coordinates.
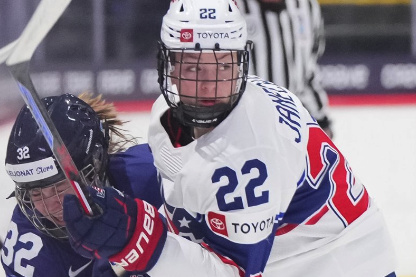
(174, 94)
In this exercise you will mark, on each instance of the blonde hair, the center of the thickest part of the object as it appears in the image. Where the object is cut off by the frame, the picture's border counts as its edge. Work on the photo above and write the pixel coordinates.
(120, 139)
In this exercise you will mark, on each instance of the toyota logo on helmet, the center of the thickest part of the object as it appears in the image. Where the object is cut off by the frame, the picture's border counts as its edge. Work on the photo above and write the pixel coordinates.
(185, 15)
(187, 35)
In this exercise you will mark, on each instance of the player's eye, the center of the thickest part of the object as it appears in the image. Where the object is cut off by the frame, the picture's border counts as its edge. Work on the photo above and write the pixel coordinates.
(35, 196)
(192, 68)
(62, 190)
(63, 187)
(224, 66)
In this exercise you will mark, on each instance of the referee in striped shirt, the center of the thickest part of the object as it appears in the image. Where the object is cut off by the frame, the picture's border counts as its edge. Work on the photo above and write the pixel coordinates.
(288, 38)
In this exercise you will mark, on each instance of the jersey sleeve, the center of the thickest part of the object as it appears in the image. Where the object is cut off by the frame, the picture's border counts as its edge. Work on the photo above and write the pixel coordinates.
(181, 257)
(134, 173)
(241, 248)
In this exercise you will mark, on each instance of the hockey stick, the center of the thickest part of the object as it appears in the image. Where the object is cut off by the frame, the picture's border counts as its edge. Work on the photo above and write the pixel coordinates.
(6, 50)
(20, 53)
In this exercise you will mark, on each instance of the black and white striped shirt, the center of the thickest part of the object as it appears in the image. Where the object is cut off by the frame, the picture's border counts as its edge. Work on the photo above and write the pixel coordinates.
(288, 39)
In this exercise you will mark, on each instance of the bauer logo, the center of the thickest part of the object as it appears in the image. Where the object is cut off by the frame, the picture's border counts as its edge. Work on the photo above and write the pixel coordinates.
(242, 228)
(187, 35)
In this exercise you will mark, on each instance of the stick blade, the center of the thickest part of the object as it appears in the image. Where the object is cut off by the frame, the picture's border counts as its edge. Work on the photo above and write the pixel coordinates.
(20, 73)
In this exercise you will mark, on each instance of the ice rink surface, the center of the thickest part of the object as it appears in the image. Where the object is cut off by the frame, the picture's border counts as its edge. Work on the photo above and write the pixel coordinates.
(380, 145)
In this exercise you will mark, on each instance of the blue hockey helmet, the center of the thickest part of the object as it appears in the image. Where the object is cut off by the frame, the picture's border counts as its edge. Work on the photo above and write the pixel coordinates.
(81, 131)
(32, 165)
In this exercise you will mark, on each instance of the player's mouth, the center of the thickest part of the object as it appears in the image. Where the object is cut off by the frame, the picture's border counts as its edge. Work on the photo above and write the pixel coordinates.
(58, 219)
(207, 102)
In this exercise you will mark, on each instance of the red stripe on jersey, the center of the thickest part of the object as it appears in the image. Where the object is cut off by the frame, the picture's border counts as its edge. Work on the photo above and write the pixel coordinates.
(171, 227)
(315, 218)
(285, 229)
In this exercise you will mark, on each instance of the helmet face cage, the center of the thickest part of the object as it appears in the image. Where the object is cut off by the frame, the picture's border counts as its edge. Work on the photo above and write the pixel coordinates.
(43, 207)
(202, 85)
(203, 60)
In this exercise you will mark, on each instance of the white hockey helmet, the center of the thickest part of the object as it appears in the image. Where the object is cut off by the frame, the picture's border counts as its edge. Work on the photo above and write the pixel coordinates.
(209, 24)
(202, 27)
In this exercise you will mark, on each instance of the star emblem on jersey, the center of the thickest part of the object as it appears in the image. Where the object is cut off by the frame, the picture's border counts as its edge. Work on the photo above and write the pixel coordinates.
(78, 271)
(184, 222)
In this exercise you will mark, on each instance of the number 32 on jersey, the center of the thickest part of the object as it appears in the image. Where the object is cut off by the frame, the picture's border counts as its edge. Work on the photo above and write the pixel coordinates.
(13, 256)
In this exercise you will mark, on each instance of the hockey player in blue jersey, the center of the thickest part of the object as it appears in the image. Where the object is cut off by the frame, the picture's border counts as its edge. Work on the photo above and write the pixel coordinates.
(36, 243)
(252, 186)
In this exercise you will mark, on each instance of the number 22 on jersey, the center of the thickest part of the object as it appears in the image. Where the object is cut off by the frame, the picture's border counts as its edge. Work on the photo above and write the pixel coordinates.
(232, 177)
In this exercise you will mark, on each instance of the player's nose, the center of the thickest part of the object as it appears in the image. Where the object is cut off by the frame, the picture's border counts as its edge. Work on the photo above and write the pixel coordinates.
(208, 82)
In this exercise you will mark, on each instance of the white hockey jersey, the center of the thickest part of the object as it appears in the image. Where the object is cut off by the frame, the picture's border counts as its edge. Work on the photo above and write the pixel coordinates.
(266, 193)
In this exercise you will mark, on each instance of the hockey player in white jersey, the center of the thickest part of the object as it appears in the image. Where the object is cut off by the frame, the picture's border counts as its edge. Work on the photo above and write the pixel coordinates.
(252, 186)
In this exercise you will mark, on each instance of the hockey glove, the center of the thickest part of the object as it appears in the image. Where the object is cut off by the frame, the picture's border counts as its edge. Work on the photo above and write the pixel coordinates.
(129, 231)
